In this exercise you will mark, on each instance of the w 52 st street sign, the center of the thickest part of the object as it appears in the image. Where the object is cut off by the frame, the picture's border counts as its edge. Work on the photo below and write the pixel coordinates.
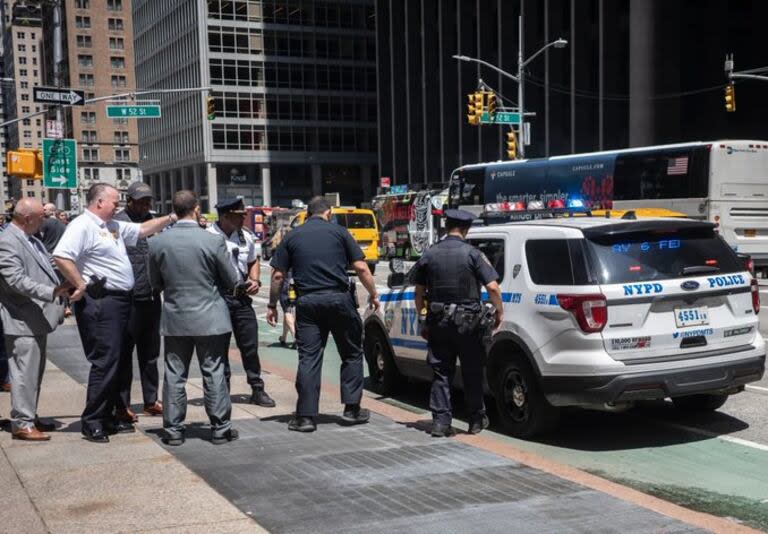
(136, 111)
(60, 163)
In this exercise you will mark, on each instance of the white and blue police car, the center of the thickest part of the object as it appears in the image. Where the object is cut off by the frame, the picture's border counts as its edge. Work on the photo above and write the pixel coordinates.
(597, 312)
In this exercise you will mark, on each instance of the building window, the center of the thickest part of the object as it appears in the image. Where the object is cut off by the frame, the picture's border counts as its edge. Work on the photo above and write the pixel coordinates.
(88, 117)
(27, 134)
(26, 122)
(20, 35)
(34, 73)
(25, 85)
(121, 138)
(122, 154)
(21, 48)
(30, 193)
(34, 61)
(91, 173)
(84, 41)
(90, 154)
(22, 72)
(85, 60)
(116, 43)
(82, 22)
(25, 97)
(25, 110)
(115, 5)
(115, 25)
(120, 121)
(22, 60)
(119, 81)
(117, 62)
(86, 80)
(89, 136)
(30, 182)
(83, 4)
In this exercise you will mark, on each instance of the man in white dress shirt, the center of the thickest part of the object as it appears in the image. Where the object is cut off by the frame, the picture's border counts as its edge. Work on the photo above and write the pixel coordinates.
(92, 256)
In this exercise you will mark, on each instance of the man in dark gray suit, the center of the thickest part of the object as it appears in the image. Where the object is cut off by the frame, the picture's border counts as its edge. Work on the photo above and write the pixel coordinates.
(31, 309)
(190, 265)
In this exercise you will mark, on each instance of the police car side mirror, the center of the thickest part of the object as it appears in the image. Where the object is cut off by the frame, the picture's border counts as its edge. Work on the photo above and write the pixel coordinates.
(395, 280)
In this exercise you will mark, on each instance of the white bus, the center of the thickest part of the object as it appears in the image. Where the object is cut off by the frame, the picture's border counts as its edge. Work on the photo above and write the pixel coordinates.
(725, 182)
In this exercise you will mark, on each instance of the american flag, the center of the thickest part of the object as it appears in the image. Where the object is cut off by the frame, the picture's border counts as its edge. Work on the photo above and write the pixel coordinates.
(677, 166)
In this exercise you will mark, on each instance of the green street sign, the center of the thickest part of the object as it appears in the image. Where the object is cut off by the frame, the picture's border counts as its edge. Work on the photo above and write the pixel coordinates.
(143, 111)
(501, 117)
(60, 163)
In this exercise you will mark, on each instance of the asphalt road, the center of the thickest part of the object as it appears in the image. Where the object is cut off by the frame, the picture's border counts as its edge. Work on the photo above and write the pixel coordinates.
(714, 462)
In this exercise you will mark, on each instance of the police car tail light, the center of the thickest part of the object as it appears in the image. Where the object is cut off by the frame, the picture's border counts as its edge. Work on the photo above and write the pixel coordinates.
(755, 288)
(591, 311)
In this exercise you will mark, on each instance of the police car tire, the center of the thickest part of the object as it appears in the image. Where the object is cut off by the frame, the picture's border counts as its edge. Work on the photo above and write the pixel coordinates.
(384, 380)
(708, 402)
(535, 415)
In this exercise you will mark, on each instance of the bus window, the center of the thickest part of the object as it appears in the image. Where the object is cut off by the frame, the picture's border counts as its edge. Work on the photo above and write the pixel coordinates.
(468, 188)
(660, 175)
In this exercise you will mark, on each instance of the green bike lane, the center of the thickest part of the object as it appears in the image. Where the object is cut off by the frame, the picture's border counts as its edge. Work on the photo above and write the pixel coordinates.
(651, 449)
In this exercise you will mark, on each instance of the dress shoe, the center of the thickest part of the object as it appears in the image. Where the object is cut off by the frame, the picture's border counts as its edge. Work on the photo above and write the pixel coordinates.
(96, 435)
(439, 430)
(44, 427)
(230, 435)
(175, 440)
(478, 425)
(30, 434)
(154, 409)
(5, 387)
(119, 427)
(126, 414)
(354, 415)
(262, 398)
(302, 424)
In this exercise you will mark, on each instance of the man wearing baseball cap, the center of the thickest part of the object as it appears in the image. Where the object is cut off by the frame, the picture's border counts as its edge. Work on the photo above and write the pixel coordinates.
(144, 323)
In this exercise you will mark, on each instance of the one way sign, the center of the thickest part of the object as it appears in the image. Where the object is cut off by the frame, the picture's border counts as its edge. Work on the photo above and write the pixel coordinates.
(58, 95)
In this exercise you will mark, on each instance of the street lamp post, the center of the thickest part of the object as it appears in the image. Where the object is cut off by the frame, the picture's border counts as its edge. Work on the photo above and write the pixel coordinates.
(521, 64)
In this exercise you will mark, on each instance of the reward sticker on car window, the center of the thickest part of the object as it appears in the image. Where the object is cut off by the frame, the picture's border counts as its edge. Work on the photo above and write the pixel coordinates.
(630, 343)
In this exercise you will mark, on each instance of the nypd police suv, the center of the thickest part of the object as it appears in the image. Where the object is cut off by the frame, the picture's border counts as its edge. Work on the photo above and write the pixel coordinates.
(597, 312)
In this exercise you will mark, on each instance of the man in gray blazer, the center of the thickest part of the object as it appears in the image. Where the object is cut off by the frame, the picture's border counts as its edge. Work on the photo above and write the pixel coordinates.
(31, 308)
(190, 265)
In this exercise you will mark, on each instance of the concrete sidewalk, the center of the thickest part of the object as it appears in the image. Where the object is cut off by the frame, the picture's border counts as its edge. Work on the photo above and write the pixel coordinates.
(387, 476)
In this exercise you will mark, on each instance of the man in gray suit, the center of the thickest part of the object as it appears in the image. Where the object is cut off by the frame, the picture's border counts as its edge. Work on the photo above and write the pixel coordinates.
(190, 265)
(31, 308)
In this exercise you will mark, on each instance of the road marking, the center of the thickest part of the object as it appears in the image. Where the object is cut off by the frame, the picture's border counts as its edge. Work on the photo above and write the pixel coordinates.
(708, 433)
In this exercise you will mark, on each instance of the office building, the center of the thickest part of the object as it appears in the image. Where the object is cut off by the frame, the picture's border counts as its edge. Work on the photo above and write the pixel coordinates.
(22, 42)
(634, 73)
(295, 89)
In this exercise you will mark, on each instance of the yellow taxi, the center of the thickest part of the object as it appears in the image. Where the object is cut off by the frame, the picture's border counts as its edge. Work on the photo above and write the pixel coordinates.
(361, 223)
(638, 213)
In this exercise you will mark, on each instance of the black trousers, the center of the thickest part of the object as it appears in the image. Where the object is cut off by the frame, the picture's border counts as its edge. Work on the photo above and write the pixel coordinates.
(445, 345)
(246, 331)
(102, 324)
(317, 314)
(144, 334)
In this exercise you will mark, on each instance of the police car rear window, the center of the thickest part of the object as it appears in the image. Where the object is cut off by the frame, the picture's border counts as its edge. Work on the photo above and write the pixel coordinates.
(557, 262)
(659, 255)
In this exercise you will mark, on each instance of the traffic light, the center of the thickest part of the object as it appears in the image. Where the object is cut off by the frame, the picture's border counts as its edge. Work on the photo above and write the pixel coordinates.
(511, 145)
(491, 105)
(474, 108)
(210, 104)
(730, 97)
(25, 163)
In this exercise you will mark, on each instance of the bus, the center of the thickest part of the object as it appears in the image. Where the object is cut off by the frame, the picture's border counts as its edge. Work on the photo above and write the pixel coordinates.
(725, 182)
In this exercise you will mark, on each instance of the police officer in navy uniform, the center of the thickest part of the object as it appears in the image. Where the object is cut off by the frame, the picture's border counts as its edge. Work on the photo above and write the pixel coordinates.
(319, 253)
(245, 254)
(448, 281)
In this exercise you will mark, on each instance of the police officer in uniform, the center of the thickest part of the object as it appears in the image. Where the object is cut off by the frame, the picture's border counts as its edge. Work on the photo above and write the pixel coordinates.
(244, 255)
(448, 278)
(319, 253)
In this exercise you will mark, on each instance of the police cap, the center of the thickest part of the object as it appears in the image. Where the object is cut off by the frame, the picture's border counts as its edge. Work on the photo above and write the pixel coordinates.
(459, 217)
(230, 205)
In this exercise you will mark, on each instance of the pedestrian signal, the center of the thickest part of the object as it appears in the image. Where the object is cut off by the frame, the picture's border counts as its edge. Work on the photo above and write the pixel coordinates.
(25, 163)
(511, 145)
(730, 98)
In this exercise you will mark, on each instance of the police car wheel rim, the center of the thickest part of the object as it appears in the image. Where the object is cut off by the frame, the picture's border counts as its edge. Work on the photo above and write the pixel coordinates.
(515, 396)
(378, 352)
